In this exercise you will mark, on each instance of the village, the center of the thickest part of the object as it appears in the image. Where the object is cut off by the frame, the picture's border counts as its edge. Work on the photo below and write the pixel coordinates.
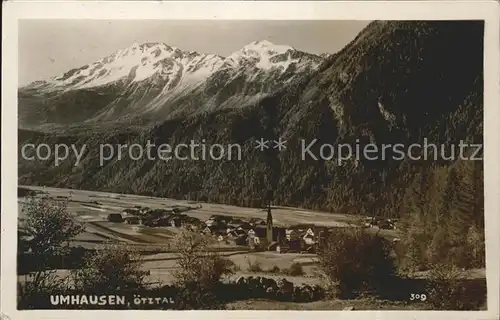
(269, 241)
(254, 233)
(274, 250)
(155, 222)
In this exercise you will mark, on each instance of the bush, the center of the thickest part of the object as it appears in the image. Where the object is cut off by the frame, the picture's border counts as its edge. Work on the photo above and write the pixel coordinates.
(49, 228)
(356, 262)
(35, 294)
(236, 268)
(294, 270)
(254, 266)
(193, 295)
(476, 246)
(110, 268)
(274, 269)
(449, 290)
(199, 271)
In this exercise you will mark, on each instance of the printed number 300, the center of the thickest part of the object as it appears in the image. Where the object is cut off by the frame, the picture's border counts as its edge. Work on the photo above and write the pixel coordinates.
(416, 296)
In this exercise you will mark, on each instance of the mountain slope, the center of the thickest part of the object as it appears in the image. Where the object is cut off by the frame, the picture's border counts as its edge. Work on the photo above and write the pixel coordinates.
(397, 82)
(154, 81)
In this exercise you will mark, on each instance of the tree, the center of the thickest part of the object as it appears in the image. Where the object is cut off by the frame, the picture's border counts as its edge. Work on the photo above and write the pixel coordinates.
(200, 267)
(356, 262)
(449, 195)
(49, 227)
(466, 221)
(110, 268)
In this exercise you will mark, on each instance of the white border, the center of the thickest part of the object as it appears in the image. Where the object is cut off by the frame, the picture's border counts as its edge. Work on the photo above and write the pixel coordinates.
(248, 10)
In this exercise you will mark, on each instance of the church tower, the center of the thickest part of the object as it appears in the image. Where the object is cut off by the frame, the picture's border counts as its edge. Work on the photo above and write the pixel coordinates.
(269, 221)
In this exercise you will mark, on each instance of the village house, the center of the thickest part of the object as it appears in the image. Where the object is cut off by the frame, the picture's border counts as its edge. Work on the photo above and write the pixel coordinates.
(221, 219)
(132, 220)
(304, 238)
(237, 233)
(235, 222)
(216, 230)
(115, 217)
(309, 238)
(257, 222)
(193, 224)
(292, 234)
(130, 211)
(206, 230)
(175, 222)
(159, 213)
(209, 222)
(241, 240)
(245, 226)
(259, 232)
(160, 222)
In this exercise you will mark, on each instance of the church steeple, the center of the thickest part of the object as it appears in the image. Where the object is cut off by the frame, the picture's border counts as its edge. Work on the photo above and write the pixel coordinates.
(269, 221)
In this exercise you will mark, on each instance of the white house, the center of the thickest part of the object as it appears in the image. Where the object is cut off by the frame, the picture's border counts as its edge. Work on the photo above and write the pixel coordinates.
(309, 237)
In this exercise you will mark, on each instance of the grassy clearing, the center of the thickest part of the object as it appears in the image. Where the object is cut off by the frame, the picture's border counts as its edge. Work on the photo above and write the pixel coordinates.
(154, 231)
(117, 234)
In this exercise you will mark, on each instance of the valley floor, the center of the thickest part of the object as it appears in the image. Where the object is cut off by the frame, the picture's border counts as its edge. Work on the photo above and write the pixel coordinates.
(92, 208)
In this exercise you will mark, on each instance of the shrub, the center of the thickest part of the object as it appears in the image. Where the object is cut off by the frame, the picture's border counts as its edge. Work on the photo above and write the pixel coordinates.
(49, 227)
(199, 270)
(35, 294)
(254, 266)
(236, 268)
(296, 269)
(274, 269)
(110, 268)
(449, 290)
(476, 246)
(414, 249)
(356, 262)
(193, 295)
(439, 247)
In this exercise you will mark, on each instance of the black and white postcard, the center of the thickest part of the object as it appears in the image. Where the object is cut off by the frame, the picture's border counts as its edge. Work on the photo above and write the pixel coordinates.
(250, 156)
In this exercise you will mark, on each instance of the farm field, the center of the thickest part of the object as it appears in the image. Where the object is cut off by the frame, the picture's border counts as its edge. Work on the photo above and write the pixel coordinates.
(92, 208)
(84, 201)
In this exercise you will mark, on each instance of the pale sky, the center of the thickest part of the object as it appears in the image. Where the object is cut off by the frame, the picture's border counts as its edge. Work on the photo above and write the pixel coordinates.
(49, 48)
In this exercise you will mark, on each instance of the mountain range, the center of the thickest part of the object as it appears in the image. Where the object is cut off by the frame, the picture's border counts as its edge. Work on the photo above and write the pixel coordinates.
(151, 81)
(396, 82)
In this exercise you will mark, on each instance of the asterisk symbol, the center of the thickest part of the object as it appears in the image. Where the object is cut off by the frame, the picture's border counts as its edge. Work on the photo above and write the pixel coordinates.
(261, 144)
(280, 144)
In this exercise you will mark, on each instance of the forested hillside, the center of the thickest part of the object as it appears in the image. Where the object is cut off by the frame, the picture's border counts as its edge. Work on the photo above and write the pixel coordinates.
(397, 82)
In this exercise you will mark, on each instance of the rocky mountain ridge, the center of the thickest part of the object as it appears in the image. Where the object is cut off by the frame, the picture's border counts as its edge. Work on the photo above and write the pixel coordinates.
(154, 82)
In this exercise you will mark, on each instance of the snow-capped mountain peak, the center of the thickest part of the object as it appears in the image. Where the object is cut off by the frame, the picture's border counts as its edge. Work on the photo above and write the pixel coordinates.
(140, 62)
(158, 80)
(258, 54)
(266, 47)
(170, 67)
(265, 55)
